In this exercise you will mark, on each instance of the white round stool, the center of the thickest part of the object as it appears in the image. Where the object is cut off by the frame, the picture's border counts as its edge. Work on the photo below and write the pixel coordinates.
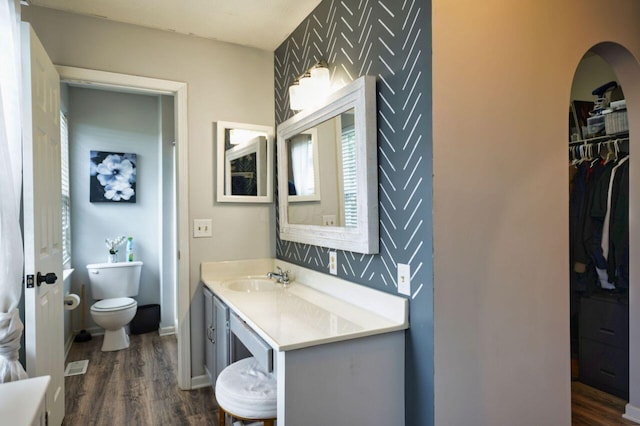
(245, 391)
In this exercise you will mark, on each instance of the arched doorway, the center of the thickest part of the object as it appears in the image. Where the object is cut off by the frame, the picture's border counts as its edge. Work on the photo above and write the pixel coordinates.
(627, 75)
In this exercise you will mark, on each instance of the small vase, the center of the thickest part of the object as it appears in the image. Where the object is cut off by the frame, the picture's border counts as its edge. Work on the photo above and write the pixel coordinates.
(112, 258)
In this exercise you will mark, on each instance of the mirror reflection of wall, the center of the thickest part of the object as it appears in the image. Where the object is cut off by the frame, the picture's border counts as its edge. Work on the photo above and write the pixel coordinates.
(245, 167)
(322, 174)
(244, 162)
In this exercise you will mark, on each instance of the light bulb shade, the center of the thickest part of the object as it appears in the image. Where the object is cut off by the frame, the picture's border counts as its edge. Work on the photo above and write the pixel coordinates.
(305, 82)
(243, 136)
(321, 78)
(305, 91)
(295, 97)
(311, 89)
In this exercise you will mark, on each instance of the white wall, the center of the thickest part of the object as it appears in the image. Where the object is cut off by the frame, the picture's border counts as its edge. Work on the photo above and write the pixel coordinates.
(502, 75)
(115, 122)
(628, 71)
(225, 82)
(592, 72)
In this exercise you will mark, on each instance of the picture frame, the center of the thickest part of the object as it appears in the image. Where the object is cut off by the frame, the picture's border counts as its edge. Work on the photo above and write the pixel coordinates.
(112, 177)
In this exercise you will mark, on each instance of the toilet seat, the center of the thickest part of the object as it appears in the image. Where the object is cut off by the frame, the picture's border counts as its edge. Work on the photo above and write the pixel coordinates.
(115, 304)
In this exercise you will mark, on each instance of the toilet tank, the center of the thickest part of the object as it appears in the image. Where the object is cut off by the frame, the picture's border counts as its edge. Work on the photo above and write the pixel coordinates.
(120, 279)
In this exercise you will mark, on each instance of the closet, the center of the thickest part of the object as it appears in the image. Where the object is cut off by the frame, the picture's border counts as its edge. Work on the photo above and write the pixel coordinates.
(599, 233)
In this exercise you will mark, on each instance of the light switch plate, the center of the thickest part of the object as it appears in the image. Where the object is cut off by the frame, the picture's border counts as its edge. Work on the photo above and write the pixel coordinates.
(404, 279)
(202, 228)
(333, 263)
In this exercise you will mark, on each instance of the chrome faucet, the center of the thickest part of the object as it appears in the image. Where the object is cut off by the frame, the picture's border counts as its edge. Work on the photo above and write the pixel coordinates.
(281, 276)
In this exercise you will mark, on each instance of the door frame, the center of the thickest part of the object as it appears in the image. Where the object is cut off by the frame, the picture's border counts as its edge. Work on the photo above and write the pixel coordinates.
(146, 85)
(626, 68)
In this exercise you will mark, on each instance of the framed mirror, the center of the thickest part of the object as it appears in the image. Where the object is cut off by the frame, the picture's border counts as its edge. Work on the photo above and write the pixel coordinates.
(244, 162)
(328, 172)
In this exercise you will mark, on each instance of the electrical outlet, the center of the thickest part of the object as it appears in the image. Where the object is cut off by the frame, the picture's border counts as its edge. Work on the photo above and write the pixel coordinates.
(329, 220)
(333, 263)
(404, 279)
(202, 228)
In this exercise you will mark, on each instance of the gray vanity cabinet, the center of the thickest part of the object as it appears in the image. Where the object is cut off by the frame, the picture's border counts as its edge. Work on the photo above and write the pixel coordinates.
(216, 318)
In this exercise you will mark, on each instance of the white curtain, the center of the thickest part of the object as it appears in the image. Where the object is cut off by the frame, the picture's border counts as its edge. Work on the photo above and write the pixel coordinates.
(11, 254)
(302, 164)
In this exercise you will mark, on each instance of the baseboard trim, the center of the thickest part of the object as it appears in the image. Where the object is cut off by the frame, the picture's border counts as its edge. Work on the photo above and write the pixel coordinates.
(632, 413)
(200, 382)
(167, 331)
(95, 331)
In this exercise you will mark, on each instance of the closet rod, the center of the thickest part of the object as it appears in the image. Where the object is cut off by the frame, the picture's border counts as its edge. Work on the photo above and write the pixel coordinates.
(597, 139)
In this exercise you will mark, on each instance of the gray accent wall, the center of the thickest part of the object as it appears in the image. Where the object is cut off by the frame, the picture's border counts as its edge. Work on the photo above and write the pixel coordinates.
(390, 40)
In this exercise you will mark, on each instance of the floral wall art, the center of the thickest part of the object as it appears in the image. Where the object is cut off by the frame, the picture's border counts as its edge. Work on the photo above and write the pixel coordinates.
(112, 177)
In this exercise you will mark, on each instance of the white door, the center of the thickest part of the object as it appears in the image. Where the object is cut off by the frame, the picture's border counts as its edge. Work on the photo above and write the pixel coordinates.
(44, 337)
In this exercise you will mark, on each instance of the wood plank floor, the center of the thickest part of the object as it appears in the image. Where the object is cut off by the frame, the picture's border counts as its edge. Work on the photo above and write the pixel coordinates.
(137, 386)
(591, 407)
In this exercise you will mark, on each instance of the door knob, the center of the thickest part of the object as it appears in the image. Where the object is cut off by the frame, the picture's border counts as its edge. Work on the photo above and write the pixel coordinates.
(49, 278)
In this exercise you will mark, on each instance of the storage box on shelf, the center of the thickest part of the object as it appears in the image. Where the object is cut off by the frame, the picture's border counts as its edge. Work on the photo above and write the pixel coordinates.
(616, 122)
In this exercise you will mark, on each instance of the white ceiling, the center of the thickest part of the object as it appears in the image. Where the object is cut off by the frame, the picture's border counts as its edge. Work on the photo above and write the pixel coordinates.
(258, 23)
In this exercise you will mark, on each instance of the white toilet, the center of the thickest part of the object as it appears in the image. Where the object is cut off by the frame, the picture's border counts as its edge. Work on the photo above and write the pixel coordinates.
(113, 285)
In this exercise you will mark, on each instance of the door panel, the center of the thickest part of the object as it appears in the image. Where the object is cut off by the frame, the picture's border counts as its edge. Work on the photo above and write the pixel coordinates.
(221, 314)
(44, 336)
(210, 338)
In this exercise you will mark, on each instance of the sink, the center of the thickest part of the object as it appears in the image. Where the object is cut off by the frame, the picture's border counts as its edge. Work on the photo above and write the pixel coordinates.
(251, 285)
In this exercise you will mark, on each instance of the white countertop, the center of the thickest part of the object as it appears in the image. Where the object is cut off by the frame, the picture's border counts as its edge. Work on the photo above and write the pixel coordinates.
(314, 309)
(20, 400)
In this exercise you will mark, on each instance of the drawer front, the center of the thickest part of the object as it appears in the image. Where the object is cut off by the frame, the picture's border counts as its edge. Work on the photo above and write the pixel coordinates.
(254, 343)
(605, 321)
(604, 367)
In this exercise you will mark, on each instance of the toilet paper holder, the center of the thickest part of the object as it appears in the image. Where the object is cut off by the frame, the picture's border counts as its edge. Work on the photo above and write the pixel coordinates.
(71, 301)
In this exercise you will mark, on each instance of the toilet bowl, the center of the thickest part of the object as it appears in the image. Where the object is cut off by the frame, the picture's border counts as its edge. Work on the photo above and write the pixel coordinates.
(113, 285)
(113, 315)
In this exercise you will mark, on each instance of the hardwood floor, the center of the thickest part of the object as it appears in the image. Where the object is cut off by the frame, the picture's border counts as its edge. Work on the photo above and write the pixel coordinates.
(137, 386)
(591, 407)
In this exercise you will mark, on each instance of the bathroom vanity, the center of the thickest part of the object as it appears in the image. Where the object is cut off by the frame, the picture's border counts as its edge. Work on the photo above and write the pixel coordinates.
(337, 348)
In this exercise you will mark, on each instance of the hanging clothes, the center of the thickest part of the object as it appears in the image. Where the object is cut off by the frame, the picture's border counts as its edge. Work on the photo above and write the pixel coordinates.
(599, 223)
(618, 253)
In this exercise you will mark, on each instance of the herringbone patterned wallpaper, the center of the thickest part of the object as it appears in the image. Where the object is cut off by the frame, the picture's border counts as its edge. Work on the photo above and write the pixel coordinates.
(390, 39)
(385, 39)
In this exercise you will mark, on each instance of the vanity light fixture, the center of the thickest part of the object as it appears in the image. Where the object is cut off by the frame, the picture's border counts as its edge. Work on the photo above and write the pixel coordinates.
(310, 88)
(242, 136)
